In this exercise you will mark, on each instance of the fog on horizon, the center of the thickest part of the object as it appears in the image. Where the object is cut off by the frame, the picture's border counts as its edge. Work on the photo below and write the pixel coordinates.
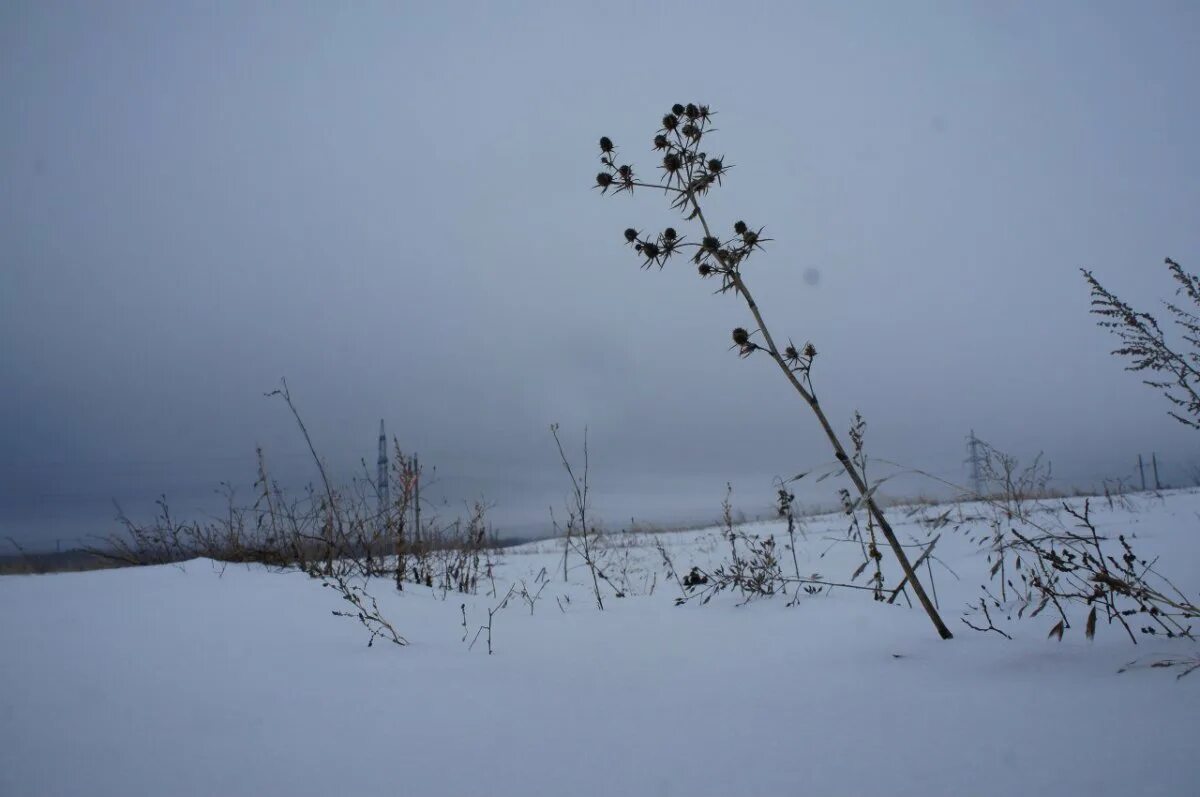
(392, 206)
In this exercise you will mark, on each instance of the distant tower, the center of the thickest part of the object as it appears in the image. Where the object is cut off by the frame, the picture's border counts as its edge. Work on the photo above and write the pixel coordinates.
(973, 459)
(381, 475)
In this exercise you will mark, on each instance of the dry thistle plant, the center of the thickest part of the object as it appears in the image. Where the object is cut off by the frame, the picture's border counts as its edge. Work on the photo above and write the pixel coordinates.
(754, 568)
(687, 174)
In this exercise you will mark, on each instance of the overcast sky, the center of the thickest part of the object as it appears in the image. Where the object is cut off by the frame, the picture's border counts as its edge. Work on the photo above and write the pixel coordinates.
(391, 205)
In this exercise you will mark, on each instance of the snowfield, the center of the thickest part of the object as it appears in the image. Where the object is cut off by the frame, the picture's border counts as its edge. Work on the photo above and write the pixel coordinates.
(208, 680)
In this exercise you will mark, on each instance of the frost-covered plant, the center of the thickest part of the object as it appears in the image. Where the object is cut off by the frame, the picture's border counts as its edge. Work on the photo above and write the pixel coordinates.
(1038, 562)
(485, 629)
(363, 608)
(1078, 565)
(1174, 369)
(753, 569)
(785, 508)
(580, 534)
(872, 557)
(1012, 493)
(687, 172)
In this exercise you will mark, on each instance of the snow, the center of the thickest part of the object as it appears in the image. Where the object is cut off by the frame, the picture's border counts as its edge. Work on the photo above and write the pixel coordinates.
(208, 680)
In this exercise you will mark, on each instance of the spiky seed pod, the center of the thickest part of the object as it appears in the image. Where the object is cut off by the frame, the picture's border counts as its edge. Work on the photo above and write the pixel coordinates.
(630, 235)
(672, 163)
(670, 234)
(715, 166)
(604, 179)
(740, 227)
(670, 122)
(705, 269)
(606, 144)
(690, 130)
(660, 141)
(750, 237)
(650, 250)
(790, 353)
(740, 336)
(691, 111)
(710, 243)
(677, 109)
(810, 350)
(703, 112)
(625, 171)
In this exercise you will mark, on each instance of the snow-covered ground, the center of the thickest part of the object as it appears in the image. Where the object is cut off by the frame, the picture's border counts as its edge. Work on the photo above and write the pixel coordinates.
(203, 680)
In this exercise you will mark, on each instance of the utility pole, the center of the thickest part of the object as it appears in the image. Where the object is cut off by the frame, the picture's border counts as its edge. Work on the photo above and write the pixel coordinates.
(381, 475)
(974, 460)
(1142, 472)
(1154, 464)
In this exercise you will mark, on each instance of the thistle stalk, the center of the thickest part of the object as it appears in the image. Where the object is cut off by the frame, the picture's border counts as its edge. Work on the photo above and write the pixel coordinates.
(689, 173)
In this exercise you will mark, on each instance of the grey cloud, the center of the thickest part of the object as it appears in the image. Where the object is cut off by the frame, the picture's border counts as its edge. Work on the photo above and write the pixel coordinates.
(391, 206)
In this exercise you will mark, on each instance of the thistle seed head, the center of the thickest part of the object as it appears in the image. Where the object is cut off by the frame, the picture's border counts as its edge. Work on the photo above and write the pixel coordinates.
(672, 163)
(606, 144)
(740, 227)
(669, 122)
(670, 234)
(630, 235)
(740, 336)
(604, 179)
(677, 109)
(711, 243)
(660, 141)
(691, 111)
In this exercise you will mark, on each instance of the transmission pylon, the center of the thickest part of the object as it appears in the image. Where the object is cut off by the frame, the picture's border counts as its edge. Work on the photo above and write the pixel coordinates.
(381, 474)
(975, 460)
